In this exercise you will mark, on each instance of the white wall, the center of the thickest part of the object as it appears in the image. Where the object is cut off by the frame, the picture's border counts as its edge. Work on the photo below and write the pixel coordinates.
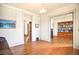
(62, 18)
(51, 21)
(45, 35)
(76, 29)
(13, 36)
(35, 31)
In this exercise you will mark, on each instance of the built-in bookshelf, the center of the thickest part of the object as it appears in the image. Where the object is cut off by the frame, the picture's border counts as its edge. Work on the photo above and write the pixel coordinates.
(65, 26)
(65, 29)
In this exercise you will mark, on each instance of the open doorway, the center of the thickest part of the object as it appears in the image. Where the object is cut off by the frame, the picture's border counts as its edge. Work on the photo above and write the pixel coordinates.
(62, 30)
(27, 32)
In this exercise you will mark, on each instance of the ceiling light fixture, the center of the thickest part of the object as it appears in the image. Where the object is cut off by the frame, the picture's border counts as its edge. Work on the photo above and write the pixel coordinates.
(43, 10)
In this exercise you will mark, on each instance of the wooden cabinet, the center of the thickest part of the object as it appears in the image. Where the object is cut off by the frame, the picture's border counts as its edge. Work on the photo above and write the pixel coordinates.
(65, 35)
(65, 29)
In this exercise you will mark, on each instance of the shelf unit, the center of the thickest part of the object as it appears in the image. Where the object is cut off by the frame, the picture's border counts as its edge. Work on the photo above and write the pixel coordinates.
(65, 29)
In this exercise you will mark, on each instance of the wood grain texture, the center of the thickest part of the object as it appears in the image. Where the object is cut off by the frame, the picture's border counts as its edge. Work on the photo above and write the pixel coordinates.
(43, 48)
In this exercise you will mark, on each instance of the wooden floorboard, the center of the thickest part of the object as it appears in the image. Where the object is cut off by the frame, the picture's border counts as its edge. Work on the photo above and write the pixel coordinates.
(57, 46)
(43, 48)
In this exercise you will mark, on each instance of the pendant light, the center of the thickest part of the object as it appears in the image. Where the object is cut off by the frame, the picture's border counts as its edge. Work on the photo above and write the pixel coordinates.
(43, 10)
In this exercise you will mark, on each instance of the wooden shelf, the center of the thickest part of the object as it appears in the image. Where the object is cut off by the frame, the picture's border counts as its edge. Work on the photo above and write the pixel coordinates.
(65, 29)
(65, 34)
(65, 26)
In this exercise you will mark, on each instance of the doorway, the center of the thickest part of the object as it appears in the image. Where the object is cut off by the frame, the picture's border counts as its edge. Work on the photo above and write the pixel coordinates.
(28, 32)
(62, 30)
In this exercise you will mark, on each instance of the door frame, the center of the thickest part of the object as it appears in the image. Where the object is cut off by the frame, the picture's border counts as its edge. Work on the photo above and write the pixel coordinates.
(28, 30)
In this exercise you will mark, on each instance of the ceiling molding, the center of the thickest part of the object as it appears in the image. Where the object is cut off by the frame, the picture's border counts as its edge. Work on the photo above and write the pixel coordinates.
(63, 10)
(15, 8)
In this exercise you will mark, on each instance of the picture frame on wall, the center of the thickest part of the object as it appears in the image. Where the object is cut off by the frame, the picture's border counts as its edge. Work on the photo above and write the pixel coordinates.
(7, 24)
(36, 25)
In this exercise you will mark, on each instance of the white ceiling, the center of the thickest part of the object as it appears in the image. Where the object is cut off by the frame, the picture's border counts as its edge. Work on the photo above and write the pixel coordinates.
(36, 7)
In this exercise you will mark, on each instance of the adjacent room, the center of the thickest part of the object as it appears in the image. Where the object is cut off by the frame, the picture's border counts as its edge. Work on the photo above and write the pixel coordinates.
(39, 29)
(62, 30)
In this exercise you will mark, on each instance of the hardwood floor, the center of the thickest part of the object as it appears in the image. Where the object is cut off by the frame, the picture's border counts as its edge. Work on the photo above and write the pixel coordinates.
(61, 41)
(58, 46)
(43, 48)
